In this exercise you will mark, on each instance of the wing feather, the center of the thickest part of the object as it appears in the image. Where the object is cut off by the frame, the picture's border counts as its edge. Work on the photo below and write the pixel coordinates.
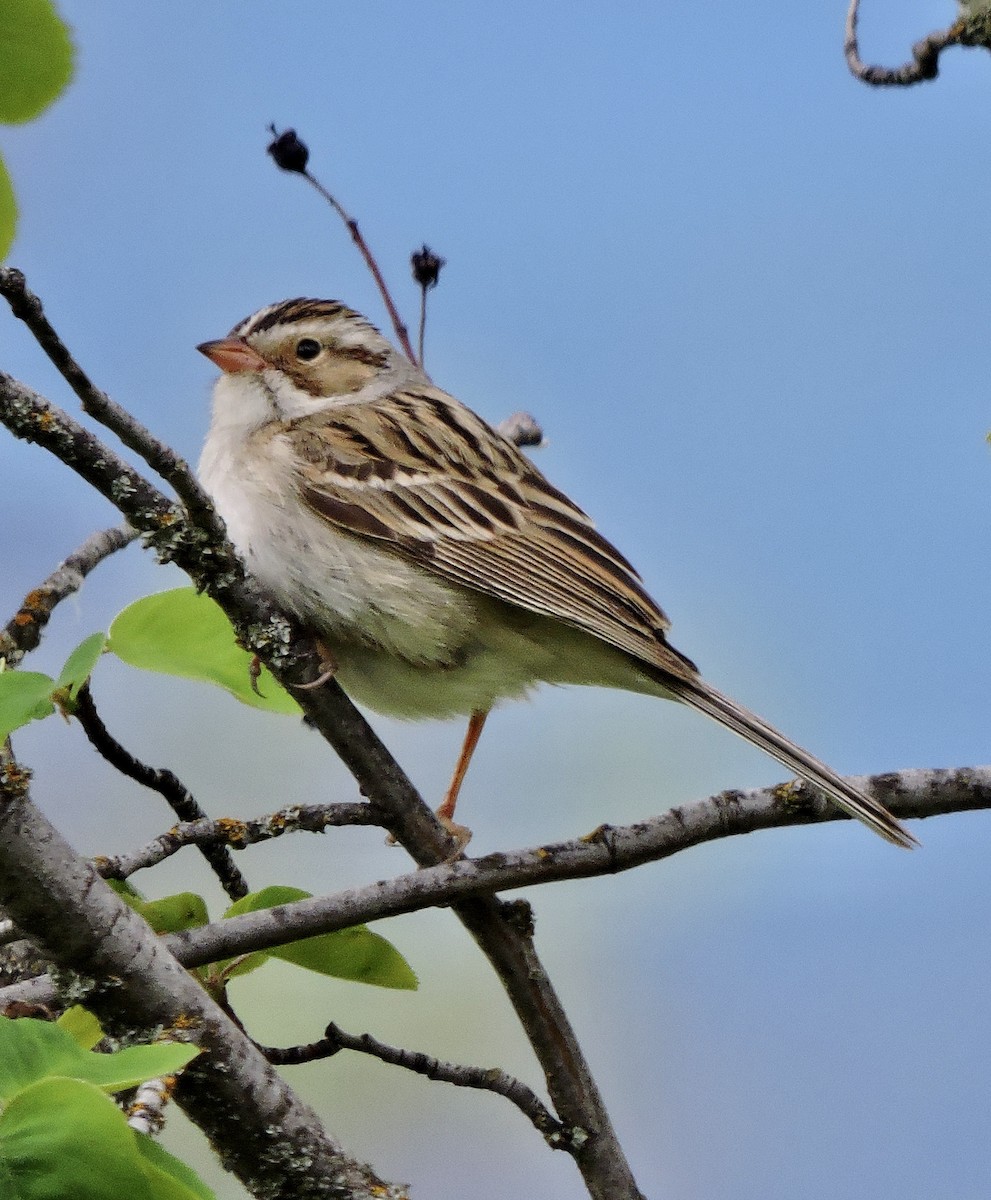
(424, 476)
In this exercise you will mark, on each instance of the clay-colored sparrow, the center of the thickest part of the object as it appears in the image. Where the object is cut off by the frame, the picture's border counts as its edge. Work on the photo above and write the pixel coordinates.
(430, 557)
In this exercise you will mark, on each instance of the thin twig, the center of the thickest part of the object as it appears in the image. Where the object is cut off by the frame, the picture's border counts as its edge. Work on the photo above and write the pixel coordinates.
(925, 55)
(162, 459)
(488, 1079)
(402, 333)
(178, 797)
(291, 154)
(237, 833)
(427, 267)
(23, 631)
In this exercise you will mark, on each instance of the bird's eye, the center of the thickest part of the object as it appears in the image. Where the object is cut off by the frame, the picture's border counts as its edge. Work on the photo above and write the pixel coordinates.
(307, 349)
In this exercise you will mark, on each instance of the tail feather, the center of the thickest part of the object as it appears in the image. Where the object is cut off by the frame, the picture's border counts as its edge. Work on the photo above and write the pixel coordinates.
(699, 695)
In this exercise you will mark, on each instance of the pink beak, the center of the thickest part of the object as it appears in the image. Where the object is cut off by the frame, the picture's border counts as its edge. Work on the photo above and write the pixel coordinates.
(232, 354)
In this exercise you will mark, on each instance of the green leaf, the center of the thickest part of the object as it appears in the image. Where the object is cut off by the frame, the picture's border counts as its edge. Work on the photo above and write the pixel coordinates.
(127, 892)
(80, 663)
(233, 968)
(61, 1138)
(127, 1068)
(172, 914)
(36, 56)
(182, 633)
(8, 212)
(81, 1025)
(31, 1050)
(169, 1178)
(356, 954)
(24, 696)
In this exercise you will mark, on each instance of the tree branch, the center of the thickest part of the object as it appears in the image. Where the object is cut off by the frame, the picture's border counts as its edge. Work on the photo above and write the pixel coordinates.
(271, 1140)
(182, 802)
(925, 54)
(608, 850)
(162, 459)
(23, 631)
(488, 1079)
(237, 833)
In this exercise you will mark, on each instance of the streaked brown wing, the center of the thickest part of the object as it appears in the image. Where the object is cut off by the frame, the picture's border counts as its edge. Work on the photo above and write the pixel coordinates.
(419, 472)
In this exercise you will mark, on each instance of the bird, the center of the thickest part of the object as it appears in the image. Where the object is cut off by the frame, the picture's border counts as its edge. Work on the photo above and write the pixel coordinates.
(439, 570)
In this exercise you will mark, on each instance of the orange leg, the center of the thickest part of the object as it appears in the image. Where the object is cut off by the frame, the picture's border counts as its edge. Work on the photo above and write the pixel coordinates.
(255, 673)
(445, 814)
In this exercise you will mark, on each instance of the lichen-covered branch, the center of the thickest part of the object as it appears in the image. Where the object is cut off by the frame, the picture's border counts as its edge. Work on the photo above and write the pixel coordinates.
(606, 851)
(236, 833)
(266, 1135)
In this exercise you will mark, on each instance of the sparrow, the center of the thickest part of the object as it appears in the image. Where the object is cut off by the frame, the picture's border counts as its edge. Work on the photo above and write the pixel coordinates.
(436, 566)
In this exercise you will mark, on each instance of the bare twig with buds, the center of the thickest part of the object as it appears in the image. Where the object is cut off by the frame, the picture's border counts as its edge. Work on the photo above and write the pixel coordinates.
(292, 154)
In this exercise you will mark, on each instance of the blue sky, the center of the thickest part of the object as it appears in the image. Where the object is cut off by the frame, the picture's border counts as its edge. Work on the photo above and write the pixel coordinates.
(746, 297)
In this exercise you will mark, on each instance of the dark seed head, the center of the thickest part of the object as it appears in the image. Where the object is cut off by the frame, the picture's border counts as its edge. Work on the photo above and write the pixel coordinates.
(426, 266)
(288, 151)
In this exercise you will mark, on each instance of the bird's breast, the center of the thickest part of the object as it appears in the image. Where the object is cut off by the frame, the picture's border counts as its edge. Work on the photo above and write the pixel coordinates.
(344, 587)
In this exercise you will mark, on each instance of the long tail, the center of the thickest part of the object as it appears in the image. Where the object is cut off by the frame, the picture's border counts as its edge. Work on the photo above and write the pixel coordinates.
(699, 695)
